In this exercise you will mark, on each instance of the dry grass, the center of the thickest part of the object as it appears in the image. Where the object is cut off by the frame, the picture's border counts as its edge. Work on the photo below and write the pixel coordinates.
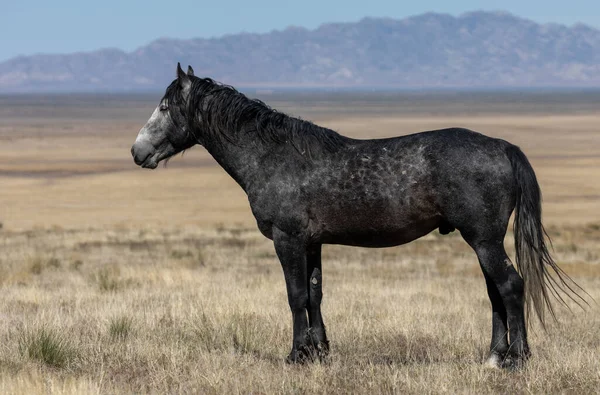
(118, 280)
(413, 319)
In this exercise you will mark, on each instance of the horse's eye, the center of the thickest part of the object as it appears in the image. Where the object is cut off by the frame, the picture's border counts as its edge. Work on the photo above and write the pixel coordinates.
(163, 107)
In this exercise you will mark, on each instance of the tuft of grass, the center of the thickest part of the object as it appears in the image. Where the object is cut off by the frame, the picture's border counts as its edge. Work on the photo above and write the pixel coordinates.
(200, 260)
(591, 226)
(120, 327)
(36, 265)
(108, 280)
(189, 259)
(245, 333)
(76, 264)
(265, 255)
(54, 262)
(233, 242)
(47, 346)
(180, 254)
(240, 332)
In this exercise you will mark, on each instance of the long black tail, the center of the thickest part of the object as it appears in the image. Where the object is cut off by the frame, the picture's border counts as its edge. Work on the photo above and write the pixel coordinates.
(542, 276)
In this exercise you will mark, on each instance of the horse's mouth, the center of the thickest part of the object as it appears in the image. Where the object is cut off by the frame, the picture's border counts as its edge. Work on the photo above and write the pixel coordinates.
(150, 165)
(151, 162)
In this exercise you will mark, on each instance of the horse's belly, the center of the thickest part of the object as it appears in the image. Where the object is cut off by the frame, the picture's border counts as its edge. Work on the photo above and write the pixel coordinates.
(372, 235)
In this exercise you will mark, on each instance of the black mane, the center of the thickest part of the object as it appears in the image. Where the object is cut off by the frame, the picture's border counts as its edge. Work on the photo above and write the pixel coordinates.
(222, 113)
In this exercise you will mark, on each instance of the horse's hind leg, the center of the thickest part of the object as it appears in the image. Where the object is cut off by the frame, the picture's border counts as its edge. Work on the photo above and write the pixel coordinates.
(499, 344)
(315, 296)
(503, 281)
(498, 267)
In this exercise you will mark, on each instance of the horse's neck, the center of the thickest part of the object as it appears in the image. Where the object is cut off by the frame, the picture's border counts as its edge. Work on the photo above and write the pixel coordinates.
(241, 158)
(240, 161)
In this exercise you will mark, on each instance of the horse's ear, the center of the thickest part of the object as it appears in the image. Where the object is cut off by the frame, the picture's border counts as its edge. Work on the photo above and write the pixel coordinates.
(190, 71)
(180, 72)
(182, 77)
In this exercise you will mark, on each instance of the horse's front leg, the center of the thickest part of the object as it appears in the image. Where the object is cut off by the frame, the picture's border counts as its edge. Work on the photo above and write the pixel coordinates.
(291, 251)
(315, 296)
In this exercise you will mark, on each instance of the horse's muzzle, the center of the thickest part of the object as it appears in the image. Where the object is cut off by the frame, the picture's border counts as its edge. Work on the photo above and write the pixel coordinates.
(141, 152)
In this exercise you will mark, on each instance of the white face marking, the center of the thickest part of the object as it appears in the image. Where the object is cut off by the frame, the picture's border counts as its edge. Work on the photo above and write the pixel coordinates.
(144, 134)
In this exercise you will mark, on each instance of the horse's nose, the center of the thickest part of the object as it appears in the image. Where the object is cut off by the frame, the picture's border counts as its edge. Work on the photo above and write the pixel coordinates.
(141, 151)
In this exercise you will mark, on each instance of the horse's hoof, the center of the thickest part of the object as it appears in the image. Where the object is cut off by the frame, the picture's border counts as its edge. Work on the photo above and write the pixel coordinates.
(494, 361)
(514, 362)
(517, 359)
(510, 363)
(319, 352)
(298, 357)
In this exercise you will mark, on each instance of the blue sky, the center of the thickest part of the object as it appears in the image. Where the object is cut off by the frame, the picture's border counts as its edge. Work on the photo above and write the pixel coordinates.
(59, 26)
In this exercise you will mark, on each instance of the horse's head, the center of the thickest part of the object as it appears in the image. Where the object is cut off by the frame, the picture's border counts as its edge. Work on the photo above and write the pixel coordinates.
(166, 132)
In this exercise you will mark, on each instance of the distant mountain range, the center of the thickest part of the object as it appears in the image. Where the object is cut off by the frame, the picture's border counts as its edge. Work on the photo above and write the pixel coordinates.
(478, 49)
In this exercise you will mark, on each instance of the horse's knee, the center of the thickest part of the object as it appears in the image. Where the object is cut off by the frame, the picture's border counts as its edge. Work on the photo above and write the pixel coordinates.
(501, 272)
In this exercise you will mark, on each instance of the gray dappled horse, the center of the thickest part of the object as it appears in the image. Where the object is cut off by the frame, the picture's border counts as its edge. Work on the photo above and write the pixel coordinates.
(309, 186)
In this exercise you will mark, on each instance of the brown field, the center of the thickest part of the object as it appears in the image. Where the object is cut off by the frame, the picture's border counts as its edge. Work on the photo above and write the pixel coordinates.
(116, 279)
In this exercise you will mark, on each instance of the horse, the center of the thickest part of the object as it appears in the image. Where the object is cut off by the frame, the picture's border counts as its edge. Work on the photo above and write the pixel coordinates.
(308, 186)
